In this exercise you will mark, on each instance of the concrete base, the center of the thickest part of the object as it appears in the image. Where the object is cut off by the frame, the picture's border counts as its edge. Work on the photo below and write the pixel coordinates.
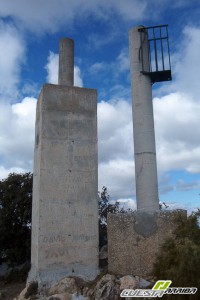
(135, 238)
(65, 205)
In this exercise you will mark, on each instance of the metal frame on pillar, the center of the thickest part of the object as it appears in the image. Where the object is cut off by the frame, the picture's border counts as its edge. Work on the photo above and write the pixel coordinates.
(150, 63)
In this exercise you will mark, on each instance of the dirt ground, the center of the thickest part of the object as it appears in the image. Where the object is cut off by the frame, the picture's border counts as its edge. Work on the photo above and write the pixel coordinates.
(8, 291)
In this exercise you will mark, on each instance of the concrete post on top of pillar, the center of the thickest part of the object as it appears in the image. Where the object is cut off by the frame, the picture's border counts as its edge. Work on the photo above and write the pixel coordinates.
(66, 62)
(143, 123)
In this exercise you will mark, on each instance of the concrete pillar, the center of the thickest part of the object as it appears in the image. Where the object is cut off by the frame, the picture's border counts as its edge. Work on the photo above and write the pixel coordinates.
(66, 62)
(65, 237)
(143, 125)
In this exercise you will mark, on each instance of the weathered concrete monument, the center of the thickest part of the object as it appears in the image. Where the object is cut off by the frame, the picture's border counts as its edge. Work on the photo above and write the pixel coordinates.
(65, 206)
(134, 239)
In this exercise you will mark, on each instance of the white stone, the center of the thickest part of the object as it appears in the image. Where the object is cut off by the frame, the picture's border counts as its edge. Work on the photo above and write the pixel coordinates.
(128, 282)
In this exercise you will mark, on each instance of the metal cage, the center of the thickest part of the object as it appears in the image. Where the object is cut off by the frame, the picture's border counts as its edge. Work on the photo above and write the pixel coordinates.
(159, 64)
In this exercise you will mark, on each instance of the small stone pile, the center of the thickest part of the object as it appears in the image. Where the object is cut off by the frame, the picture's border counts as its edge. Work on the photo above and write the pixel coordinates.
(106, 287)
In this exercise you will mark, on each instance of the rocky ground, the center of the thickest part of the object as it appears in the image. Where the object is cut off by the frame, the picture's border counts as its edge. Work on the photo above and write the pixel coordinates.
(105, 287)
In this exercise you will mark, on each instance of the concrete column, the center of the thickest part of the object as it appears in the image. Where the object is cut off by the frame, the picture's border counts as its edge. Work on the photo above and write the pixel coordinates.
(66, 62)
(143, 125)
(65, 236)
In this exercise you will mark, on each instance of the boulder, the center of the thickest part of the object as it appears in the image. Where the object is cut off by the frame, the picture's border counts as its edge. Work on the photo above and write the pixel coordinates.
(143, 283)
(65, 296)
(106, 288)
(66, 285)
(128, 282)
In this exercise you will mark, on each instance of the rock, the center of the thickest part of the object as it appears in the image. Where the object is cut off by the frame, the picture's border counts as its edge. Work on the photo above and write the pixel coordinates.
(65, 296)
(30, 289)
(128, 282)
(106, 289)
(143, 283)
(103, 253)
(66, 285)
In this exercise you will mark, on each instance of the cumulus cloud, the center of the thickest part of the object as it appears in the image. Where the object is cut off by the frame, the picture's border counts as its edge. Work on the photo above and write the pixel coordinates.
(122, 62)
(177, 142)
(177, 132)
(118, 176)
(115, 130)
(187, 63)
(4, 172)
(12, 55)
(17, 123)
(52, 70)
(40, 16)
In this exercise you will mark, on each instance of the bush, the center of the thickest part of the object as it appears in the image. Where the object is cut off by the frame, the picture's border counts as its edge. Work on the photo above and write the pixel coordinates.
(179, 258)
(15, 218)
(104, 208)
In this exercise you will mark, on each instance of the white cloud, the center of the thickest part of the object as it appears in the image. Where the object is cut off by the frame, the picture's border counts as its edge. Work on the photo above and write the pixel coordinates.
(5, 172)
(187, 63)
(78, 81)
(123, 61)
(127, 203)
(12, 55)
(118, 66)
(118, 176)
(40, 16)
(17, 123)
(115, 136)
(52, 70)
(177, 133)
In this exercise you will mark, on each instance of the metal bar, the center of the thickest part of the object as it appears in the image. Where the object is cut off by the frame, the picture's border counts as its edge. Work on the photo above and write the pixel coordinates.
(149, 49)
(162, 38)
(168, 47)
(155, 51)
(161, 43)
(156, 26)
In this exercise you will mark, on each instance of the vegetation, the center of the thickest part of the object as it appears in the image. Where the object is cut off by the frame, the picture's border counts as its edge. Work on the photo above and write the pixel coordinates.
(105, 207)
(179, 258)
(15, 218)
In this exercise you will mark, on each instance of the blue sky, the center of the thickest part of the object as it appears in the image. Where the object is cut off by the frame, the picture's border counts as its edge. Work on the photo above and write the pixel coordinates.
(29, 38)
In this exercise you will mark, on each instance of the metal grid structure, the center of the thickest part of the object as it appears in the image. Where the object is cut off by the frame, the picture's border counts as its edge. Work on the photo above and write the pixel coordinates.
(159, 64)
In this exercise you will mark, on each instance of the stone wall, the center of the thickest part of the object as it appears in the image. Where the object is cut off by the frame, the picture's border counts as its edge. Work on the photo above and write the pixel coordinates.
(135, 238)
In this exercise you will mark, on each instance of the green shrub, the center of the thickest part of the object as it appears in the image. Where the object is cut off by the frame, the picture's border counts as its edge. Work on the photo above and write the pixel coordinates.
(179, 258)
(15, 218)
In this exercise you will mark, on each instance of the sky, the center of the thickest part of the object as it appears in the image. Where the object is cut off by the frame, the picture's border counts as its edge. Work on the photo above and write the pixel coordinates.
(29, 40)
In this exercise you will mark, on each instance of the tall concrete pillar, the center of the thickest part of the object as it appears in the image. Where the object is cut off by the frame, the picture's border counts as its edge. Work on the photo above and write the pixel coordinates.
(143, 125)
(65, 204)
(66, 62)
